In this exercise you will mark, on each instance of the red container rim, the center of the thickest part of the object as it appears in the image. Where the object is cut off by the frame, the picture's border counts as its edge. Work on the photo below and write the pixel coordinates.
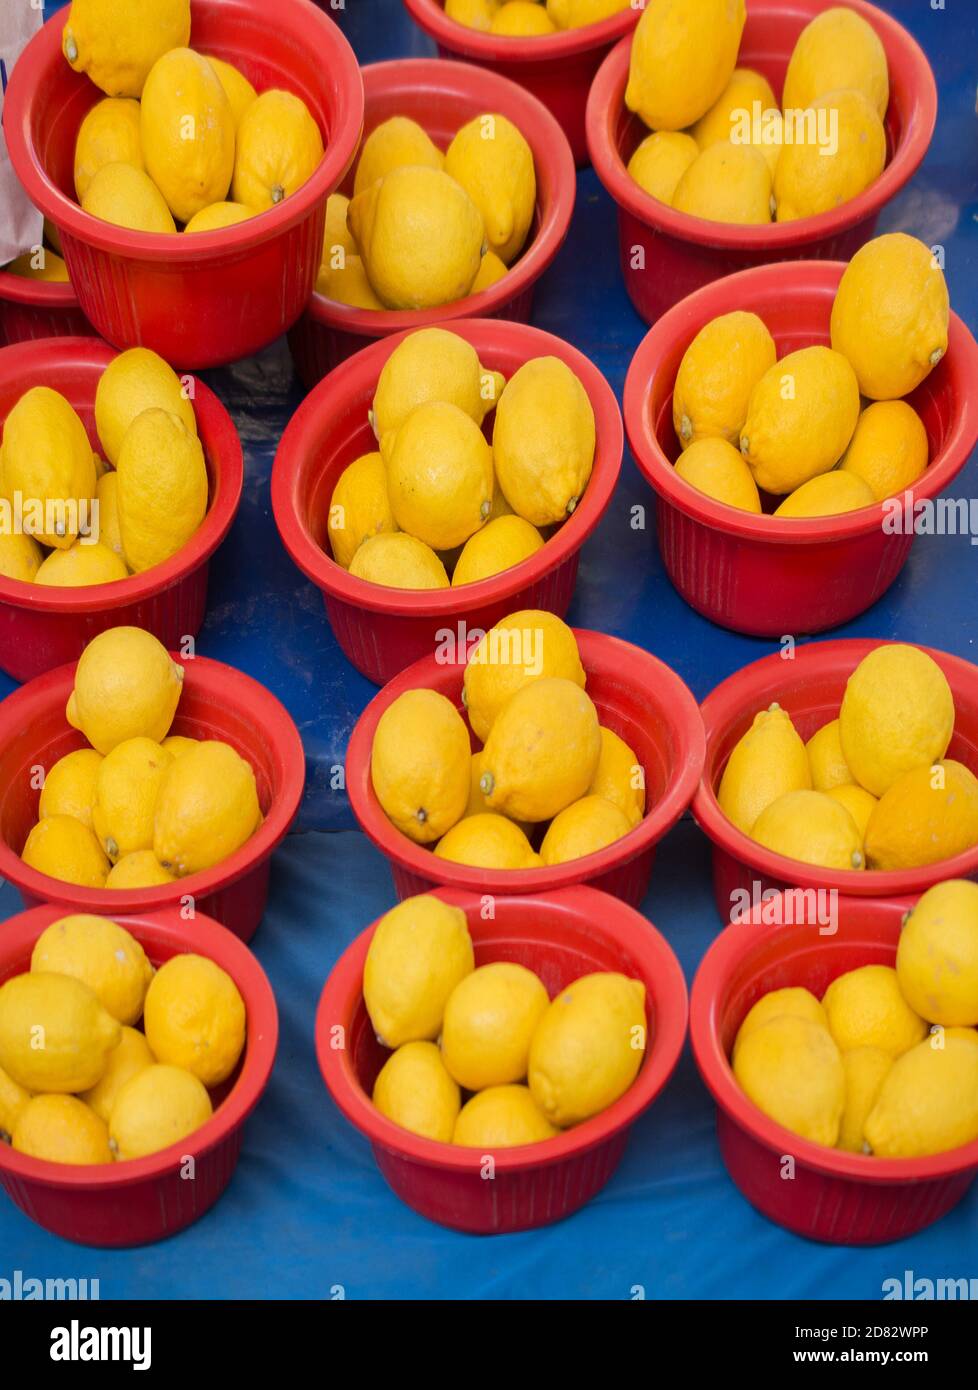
(723, 956)
(606, 100)
(634, 666)
(485, 335)
(305, 26)
(204, 937)
(727, 702)
(783, 278)
(37, 294)
(234, 689)
(516, 48)
(607, 918)
(21, 363)
(548, 143)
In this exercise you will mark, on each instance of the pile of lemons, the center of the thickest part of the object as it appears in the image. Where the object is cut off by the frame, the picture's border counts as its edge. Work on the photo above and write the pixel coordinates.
(547, 770)
(530, 18)
(88, 520)
(530, 1067)
(140, 807)
(436, 497)
(870, 789)
(426, 227)
(887, 1062)
(100, 1089)
(721, 148)
(752, 425)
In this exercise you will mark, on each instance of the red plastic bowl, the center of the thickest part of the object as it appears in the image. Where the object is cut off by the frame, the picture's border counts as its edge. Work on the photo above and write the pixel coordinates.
(810, 687)
(561, 936)
(41, 626)
(767, 575)
(843, 1198)
(146, 1199)
(217, 702)
(212, 297)
(32, 309)
(637, 696)
(383, 630)
(679, 252)
(442, 97)
(557, 68)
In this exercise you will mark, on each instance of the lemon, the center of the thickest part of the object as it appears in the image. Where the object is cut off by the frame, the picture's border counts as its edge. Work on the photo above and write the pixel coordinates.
(421, 237)
(195, 1018)
(619, 777)
(141, 869)
(490, 1019)
(419, 764)
(490, 271)
(543, 441)
(63, 848)
(897, 714)
(41, 265)
(588, 1047)
(726, 183)
(432, 364)
(391, 145)
(217, 215)
(502, 1117)
(521, 19)
(80, 566)
(792, 1070)
(126, 686)
(206, 808)
(800, 419)
(135, 381)
(865, 1008)
(103, 956)
(812, 827)
(109, 531)
(928, 814)
(827, 495)
(502, 543)
(521, 648)
(128, 197)
(866, 1068)
(490, 158)
(928, 1102)
(419, 952)
(717, 375)
(542, 750)
(109, 134)
(766, 762)
(826, 758)
(55, 1034)
(575, 14)
(969, 1035)
(790, 1002)
(128, 1059)
(162, 488)
(157, 1107)
(118, 47)
(178, 744)
(474, 14)
(337, 235)
(724, 119)
(488, 841)
(278, 148)
(937, 958)
(20, 556)
(126, 791)
(660, 160)
(69, 787)
(716, 468)
(398, 561)
(837, 50)
(583, 828)
(858, 802)
(359, 507)
(809, 180)
(889, 450)
(13, 1098)
(238, 90)
(47, 459)
(347, 283)
(683, 54)
(413, 1088)
(61, 1129)
(440, 475)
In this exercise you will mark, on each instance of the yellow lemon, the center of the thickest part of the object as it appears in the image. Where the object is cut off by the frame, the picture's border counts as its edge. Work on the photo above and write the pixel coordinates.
(660, 160)
(812, 827)
(61, 1129)
(398, 561)
(278, 148)
(109, 134)
(716, 468)
(141, 869)
(683, 54)
(109, 530)
(937, 958)
(135, 381)
(502, 1117)
(116, 46)
(474, 14)
(543, 441)
(126, 790)
(157, 1107)
(889, 450)
(790, 1002)
(542, 751)
(583, 828)
(521, 19)
(490, 271)
(792, 1070)
(866, 1069)
(195, 1018)
(488, 841)
(13, 1098)
(418, 953)
(490, 1019)
(732, 115)
(414, 1090)
(430, 365)
(419, 764)
(928, 1102)
(440, 475)
(69, 787)
(126, 686)
(20, 556)
(40, 264)
(502, 543)
(490, 158)
(767, 761)
(858, 802)
(865, 1008)
(206, 808)
(238, 90)
(826, 758)
(178, 744)
(128, 197)
(837, 50)
(521, 648)
(48, 460)
(128, 1059)
(63, 848)
(726, 183)
(55, 1035)
(391, 145)
(619, 777)
(103, 956)
(827, 495)
(83, 564)
(218, 215)
(811, 178)
(337, 236)
(360, 507)
(928, 814)
(717, 375)
(162, 488)
(346, 282)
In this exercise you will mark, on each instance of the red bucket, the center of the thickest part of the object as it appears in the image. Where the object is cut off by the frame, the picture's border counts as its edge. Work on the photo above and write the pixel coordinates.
(557, 68)
(442, 97)
(561, 936)
(810, 687)
(147, 1199)
(767, 575)
(679, 252)
(44, 626)
(637, 696)
(32, 309)
(211, 297)
(383, 630)
(217, 702)
(835, 1196)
